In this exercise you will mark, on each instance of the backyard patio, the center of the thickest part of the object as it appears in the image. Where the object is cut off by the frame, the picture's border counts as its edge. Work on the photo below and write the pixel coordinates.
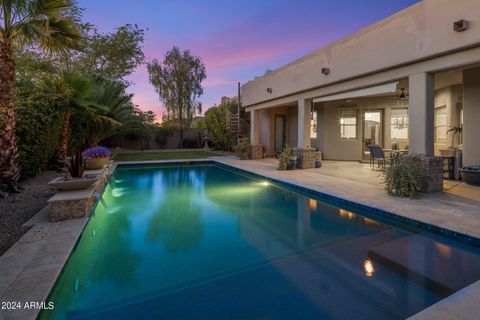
(455, 209)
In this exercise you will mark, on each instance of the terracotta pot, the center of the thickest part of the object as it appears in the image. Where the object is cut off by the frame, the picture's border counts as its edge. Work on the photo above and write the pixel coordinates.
(96, 163)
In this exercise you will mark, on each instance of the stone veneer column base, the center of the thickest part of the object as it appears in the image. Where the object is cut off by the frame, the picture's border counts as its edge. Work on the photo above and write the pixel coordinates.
(434, 168)
(305, 157)
(77, 204)
(71, 209)
(256, 151)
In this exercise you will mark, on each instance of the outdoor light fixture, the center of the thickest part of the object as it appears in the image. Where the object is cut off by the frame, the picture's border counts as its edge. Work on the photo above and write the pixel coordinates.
(460, 25)
(402, 95)
(325, 71)
(269, 90)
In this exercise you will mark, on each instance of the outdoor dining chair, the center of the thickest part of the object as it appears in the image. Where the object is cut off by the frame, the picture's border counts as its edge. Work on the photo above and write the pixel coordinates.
(377, 154)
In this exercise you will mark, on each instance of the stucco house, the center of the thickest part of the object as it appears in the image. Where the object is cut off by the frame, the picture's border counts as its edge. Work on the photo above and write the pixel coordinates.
(406, 79)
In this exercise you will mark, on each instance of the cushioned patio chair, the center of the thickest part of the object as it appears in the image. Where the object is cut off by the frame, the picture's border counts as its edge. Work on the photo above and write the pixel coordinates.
(376, 154)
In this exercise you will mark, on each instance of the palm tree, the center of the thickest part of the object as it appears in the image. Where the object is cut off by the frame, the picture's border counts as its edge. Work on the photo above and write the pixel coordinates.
(79, 95)
(32, 22)
(118, 106)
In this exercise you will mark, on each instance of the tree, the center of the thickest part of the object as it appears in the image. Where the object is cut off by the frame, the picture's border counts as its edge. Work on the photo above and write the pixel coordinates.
(117, 106)
(215, 122)
(79, 95)
(32, 22)
(178, 82)
(111, 56)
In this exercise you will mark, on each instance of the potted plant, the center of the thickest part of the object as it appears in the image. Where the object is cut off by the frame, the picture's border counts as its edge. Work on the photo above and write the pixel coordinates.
(455, 130)
(471, 175)
(76, 181)
(286, 159)
(242, 149)
(283, 159)
(318, 159)
(405, 177)
(96, 157)
(292, 162)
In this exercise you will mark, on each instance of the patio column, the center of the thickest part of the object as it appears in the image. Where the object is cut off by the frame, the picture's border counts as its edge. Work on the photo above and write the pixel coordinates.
(420, 113)
(304, 113)
(264, 129)
(254, 127)
(471, 117)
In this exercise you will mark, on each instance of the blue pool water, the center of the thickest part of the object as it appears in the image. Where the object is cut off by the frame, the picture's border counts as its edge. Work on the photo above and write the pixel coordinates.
(203, 242)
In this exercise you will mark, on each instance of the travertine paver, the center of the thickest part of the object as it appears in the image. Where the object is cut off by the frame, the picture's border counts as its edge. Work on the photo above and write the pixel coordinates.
(462, 305)
(358, 183)
(29, 269)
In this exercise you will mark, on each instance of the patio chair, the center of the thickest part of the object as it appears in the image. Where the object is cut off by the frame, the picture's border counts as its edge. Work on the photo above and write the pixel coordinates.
(376, 154)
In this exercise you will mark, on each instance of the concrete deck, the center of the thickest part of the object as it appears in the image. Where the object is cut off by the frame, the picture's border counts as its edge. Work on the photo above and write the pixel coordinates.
(30, 268)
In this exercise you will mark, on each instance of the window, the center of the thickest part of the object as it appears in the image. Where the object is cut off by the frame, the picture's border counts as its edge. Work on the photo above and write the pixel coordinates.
(460, 117)
(348, 124)
(440, 124)
(399, 124)
(313, 125)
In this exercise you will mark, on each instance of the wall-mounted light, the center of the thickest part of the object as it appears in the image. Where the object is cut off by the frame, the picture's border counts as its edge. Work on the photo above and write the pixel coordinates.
(460, 25)
(402, 95)
(269, 90)
(325, 71)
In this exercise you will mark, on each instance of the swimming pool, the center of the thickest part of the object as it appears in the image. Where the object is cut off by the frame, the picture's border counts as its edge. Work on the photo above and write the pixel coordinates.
(206, 242)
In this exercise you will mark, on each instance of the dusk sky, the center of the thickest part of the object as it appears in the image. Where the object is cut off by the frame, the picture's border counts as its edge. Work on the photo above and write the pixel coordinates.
(237, 40)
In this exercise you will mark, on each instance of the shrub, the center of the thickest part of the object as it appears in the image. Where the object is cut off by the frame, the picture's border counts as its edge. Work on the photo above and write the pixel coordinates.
(39, 122)
(192, 143)
(241, 149)
(76, 165)
(96, 152)
(218, 134)
(283, 158)
(405, 177)
(161, 135)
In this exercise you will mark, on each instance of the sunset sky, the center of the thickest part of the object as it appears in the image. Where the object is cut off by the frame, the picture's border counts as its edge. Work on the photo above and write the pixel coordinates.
(237, 40)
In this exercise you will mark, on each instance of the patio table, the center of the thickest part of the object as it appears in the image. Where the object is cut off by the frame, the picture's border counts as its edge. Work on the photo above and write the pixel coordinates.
(395, 153)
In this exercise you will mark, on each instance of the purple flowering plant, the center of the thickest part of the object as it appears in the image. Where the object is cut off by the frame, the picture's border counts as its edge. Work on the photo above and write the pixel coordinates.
(96, 152)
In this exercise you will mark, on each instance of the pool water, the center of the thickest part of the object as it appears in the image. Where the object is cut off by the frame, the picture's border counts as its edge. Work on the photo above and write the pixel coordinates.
(203, 242)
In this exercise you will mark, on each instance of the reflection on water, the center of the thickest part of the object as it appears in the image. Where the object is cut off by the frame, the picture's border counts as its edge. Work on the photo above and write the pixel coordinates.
(369, 268)
(239, 248)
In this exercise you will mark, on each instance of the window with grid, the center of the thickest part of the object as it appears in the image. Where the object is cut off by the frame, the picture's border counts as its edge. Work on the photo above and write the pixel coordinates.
(440, 130)
(348, 124)
(399, 124)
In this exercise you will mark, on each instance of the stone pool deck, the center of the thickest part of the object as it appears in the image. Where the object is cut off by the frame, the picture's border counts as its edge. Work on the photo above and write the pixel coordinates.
(30, 268)
(456, 209)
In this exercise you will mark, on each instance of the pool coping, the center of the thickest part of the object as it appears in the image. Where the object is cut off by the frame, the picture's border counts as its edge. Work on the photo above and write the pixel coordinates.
(32, 266)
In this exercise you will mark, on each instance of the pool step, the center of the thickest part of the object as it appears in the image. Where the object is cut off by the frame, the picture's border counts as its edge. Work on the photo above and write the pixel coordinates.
(427, 261)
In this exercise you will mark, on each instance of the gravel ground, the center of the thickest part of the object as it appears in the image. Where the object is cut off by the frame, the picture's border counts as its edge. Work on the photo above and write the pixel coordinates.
(17, 208)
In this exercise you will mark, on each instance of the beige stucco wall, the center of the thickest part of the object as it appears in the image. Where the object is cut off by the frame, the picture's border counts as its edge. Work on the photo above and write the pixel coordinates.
(267, 127)
(419, 32)
(451, 98)
(328, 127)
(328, 132)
